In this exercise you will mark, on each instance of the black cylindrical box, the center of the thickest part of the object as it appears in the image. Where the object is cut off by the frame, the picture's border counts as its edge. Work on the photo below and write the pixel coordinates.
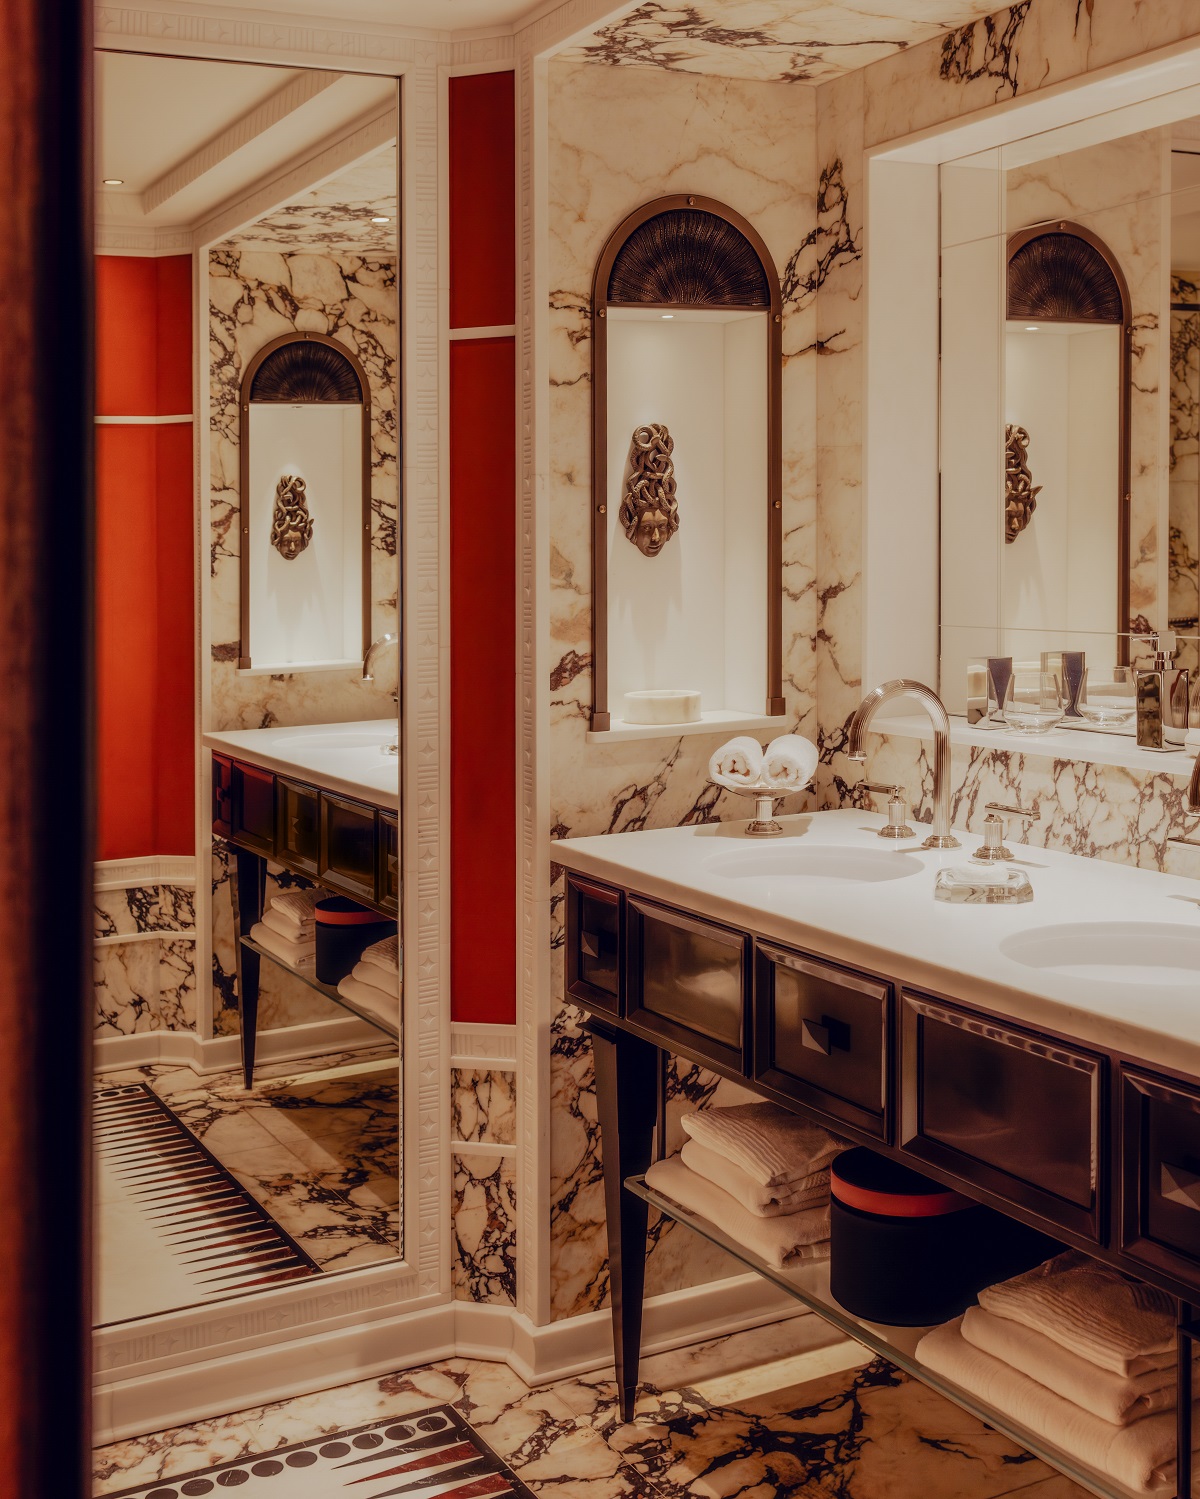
(908, 1252)
(344, 931)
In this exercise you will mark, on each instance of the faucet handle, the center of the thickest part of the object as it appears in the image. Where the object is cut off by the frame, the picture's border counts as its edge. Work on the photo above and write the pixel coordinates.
(896, 827)
(992, 849)
(1026, 816)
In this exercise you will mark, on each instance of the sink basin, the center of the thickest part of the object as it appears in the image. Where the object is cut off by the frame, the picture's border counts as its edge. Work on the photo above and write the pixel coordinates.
(793, 863)
(1153, 954)
(337, 738)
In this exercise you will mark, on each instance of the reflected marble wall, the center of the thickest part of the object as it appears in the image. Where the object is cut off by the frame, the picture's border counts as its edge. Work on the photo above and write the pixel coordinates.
(483, 1132)
(144, 958)
(1183, 560)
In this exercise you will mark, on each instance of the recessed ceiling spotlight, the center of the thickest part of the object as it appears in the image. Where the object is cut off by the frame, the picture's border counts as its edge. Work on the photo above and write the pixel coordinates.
(1031, 327)
(381, 218)
(667, 316)
(114, 182)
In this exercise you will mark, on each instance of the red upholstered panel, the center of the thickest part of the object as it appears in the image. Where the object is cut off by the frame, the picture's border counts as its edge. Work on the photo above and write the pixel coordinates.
(483, 680)
(482, 201)
(145, 653)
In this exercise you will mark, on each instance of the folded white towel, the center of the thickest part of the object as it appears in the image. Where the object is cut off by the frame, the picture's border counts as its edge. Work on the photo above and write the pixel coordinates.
(1091, 1309)
(741, 760)
(779, 1241)
(296, 906)
(368, 997)
(1140, 1455)
(790, 761)
(303, 932)
(388, 984)
(1118, 1398)
(384, 954)
(765, 1202)
(775, 1148)
(295, 954)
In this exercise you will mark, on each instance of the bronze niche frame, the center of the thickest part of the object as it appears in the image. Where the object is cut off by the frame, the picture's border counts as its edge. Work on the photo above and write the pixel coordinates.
(1061, 272)
(281, 393)
(753, 284)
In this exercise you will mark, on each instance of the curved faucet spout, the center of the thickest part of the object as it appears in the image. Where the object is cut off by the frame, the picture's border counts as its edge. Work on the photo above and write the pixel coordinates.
(373, 650)
(941, 837)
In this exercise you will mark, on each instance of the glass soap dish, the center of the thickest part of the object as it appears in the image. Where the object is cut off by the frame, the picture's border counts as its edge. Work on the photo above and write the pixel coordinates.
(964, 886)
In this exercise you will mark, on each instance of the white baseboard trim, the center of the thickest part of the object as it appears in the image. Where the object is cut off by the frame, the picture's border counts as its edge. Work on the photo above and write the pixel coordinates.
(157, 869)
(223, 1053)
(420, 1333)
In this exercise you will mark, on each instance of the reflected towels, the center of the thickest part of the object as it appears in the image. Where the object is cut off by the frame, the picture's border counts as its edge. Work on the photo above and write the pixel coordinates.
(291, 913)
(790, 761)
(779, 1241)
(1140, 1455)
(739, 762)
(298, 955)
(384, 955)
(774, 1148)
(764, 1202)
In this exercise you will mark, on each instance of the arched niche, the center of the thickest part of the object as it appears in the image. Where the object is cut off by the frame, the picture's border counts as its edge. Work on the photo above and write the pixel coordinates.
(305, 446)
(686, 297)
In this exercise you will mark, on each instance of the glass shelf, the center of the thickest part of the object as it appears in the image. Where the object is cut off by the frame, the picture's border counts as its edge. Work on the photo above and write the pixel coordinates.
(388, 1027)
(808, 1282)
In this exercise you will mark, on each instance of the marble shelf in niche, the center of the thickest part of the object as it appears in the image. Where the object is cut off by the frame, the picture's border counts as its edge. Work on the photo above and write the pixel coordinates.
(716, 721)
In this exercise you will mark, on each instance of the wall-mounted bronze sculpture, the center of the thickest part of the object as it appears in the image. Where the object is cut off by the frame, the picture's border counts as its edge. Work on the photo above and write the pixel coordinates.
(1020, 492)
(291, 525)
(650, 511)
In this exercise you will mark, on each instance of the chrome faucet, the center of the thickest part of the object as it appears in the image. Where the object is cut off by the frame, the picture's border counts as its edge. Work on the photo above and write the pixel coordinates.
(941, 837)
(373, 650)
(1191, 804)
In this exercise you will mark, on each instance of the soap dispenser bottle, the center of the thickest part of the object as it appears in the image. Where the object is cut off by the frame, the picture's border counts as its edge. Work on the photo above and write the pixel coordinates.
(1162, 693)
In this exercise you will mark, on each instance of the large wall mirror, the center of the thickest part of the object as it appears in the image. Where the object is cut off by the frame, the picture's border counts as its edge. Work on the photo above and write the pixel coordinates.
(248, 497)
(1070, 385)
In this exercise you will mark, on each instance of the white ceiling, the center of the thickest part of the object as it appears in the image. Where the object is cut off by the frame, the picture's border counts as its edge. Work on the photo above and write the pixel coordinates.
(422, 15)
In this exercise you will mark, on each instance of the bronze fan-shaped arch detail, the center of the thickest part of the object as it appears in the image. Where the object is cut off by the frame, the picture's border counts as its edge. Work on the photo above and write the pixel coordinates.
(306, 370)
(687, 257)
(1062, 276)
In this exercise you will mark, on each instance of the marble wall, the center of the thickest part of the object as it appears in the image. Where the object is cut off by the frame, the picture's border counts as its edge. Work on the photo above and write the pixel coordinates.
(144, 960)
(256, 295)
(483, 1138)
(1183, 564)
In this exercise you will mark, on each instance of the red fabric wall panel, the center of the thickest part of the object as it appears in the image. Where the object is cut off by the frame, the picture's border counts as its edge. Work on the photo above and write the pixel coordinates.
(483, 253)
(144, 568)
(483, 681)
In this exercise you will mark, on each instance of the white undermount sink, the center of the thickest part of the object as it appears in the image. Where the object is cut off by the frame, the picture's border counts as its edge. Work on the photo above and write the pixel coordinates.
(337, 736)
(1154, 954)
(793, 862)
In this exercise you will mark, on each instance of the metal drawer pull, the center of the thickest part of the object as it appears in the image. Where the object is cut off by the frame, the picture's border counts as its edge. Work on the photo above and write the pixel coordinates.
(589, 944)
(1178, 1184)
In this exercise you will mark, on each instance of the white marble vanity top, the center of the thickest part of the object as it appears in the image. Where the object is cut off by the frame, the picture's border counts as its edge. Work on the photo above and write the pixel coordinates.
(346, 758)
(1129, 979)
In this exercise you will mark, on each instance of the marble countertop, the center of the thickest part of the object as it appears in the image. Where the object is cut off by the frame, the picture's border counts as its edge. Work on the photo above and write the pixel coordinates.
(346, 758)
(894, 926)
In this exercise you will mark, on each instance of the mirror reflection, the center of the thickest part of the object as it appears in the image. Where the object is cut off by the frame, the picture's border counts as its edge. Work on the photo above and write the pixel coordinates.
(247, 1116)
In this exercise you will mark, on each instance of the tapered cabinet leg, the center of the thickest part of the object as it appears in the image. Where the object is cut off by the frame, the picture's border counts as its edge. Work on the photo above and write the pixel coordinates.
(627, 1092)
(248, 890)
(1185, 1345)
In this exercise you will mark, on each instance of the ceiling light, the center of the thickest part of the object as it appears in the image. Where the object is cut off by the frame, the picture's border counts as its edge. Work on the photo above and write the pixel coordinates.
(1031, 327)
(381, 219)
(667, 316)
(114, 182)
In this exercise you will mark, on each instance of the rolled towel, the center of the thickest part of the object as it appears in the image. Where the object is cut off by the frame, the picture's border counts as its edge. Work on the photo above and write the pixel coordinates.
(367, 973)
(294, 954)
(790, 760)
(296, 906)
(1090, 1309)
(775, 1148)
(305, 932)
(1118, 1398)
(384, 954)
(385, 1007)
(764, 1202)
(779, 1241)
(1140, 1455)
(741, 760)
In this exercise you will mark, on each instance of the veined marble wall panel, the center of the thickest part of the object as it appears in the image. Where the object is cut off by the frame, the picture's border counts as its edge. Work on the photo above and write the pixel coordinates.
(149, 982)
(483, 1260)
(1183, 566)
(1118, 190)
(616, 140)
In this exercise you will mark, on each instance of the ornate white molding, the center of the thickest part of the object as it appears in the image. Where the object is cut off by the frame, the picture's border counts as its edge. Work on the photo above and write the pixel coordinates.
(557, 25)
(141, 239)
(158, 869)
(483, 1046)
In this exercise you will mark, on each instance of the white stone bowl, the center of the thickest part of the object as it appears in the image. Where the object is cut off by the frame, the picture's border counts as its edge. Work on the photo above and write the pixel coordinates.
(662, 705)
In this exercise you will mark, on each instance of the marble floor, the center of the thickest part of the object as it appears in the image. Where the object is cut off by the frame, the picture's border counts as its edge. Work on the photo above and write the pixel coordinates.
(322, 1156)
(746, 1417)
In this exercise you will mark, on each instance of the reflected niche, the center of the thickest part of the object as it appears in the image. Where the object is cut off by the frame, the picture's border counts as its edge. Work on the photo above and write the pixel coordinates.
(1067, 450)
(306, 532)
(687, 470)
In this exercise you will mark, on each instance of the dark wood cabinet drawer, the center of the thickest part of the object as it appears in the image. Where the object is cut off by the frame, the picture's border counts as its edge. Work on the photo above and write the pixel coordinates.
(388, 873)
(253, 807)
(1015, 1113)
(347, 849)
(297, 824)
(1160, 1173)
(821, 1036)
(686, 979)
(222, 796)
(593, 944)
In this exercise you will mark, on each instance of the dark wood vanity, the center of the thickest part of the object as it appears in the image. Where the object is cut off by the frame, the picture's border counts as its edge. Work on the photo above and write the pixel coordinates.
(1084, 1143)
(345, 845)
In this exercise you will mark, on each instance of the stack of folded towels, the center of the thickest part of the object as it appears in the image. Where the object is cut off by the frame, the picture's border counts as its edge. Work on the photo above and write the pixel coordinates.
(373, 983)
(1081, 1356)
(760, 1174)
(288, 928)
